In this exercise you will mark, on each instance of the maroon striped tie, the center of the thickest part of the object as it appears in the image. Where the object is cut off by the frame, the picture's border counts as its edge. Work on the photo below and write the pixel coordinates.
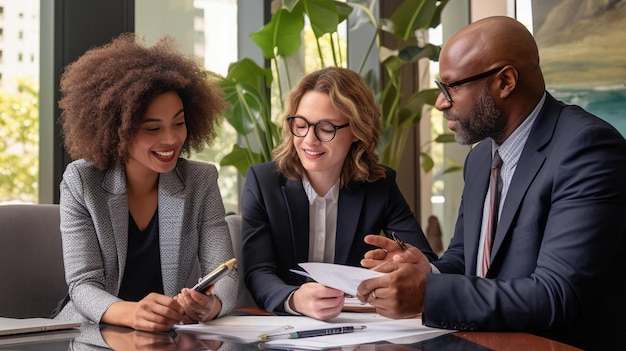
(494, 201)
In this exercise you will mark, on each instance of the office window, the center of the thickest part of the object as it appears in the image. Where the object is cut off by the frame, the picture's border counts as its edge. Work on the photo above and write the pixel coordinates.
(19, 105)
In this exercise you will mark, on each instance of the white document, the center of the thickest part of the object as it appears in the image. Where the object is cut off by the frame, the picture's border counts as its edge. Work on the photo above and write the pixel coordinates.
(340, 277)
(246, 329)
(405, 331)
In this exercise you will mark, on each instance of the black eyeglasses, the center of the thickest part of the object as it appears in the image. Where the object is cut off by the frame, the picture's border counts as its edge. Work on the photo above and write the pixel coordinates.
(444, 86)
(324, 130)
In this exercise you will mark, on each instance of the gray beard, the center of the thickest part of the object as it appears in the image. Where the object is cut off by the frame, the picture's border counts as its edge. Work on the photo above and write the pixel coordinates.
(485, 120)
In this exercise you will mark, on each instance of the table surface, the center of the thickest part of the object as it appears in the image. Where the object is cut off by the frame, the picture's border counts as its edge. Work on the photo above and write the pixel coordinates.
(119, 338)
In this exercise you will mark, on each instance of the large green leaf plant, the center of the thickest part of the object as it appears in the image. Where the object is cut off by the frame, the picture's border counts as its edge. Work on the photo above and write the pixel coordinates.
(246, 86)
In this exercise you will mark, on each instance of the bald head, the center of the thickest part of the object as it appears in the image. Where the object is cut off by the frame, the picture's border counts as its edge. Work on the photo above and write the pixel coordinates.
(489, 43)
(490, 79)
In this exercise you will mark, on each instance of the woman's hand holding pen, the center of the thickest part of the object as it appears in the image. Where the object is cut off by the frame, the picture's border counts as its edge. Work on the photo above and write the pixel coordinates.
(390, 250)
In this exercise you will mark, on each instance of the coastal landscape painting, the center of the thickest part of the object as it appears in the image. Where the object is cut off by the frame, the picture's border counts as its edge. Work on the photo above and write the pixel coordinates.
(583, 56)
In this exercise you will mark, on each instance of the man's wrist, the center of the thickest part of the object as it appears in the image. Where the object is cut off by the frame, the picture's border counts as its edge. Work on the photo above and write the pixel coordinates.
(288, 305)
(434, 269)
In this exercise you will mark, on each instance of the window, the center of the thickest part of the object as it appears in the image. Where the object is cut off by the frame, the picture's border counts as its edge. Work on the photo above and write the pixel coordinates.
(215, 41)
(19, 134)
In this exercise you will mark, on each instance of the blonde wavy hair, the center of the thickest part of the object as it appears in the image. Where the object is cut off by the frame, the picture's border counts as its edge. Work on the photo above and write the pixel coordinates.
(350, 95)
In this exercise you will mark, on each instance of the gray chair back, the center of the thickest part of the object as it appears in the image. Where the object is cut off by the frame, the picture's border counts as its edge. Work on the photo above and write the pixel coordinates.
(244, 299)
(32, 277)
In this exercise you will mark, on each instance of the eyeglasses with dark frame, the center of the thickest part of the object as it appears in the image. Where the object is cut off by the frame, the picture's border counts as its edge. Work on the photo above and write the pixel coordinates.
(444, 86)
(324, 130)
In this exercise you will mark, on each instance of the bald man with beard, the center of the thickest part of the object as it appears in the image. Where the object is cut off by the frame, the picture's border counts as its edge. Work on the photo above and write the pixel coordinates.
(557, 262)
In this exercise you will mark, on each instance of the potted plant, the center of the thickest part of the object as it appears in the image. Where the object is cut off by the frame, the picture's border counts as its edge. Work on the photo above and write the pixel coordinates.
(246, 84)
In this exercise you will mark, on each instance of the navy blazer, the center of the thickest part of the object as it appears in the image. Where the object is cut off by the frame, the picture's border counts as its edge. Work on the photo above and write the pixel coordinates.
(275, 228)
(559, 254)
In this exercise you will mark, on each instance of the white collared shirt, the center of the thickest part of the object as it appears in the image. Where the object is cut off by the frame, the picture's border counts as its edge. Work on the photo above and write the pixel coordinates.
(322, 227)
(322, 222)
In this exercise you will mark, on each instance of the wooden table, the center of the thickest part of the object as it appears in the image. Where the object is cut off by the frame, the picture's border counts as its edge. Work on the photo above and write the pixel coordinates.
(513, 341)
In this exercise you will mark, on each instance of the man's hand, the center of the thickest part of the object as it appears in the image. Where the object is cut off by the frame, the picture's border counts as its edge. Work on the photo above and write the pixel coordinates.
(317, 301)
(390, 251)
(397, 294)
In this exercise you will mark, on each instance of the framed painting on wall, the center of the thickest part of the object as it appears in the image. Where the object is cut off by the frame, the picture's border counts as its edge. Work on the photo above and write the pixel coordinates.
(582, 54)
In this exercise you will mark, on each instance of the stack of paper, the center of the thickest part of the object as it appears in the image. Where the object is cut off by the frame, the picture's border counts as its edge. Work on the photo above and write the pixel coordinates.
(247, 329)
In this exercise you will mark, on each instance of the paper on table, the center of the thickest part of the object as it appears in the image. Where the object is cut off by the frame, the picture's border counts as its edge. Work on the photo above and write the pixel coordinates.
(342, 341)
(246, 329)
(403, 330)
(340, 277)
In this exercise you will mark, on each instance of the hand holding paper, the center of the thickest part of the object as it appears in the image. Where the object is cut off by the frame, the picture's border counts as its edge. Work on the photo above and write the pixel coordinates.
(340, 277)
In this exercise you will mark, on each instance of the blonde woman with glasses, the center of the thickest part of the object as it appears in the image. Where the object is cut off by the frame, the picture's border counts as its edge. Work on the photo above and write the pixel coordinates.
(322, 194)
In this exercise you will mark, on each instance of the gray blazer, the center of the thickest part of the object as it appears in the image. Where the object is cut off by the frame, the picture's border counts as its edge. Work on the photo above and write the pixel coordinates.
(94, 230)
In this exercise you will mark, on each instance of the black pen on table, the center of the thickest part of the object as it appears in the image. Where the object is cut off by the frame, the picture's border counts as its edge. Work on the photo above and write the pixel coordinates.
(314, 332)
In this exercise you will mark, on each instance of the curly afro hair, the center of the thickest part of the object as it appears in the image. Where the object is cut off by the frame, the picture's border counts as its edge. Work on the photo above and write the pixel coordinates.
(105, 94)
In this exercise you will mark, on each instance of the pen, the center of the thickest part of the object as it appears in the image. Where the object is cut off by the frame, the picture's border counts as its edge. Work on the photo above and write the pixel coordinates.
(275, 331)
(315, 332)
(398, 241)
(215, 275)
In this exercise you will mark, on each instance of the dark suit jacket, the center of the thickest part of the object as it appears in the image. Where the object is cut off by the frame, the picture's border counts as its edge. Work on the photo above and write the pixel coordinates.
(275, 228)
(559, 255)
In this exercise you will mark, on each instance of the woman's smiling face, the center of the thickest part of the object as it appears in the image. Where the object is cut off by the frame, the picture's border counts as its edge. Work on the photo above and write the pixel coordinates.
(322, 158)
(161, 136)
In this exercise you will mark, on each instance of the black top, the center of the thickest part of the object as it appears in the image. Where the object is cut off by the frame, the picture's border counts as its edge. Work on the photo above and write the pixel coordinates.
(142, 274)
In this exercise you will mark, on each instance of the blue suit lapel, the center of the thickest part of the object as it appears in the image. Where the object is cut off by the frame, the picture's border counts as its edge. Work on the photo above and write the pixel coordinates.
(531, 160)
(298, 212)
(350, 201)
(476, 184)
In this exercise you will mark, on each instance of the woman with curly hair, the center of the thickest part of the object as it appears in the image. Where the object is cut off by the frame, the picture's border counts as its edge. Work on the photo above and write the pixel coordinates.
(322, 194)
(134, 216)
